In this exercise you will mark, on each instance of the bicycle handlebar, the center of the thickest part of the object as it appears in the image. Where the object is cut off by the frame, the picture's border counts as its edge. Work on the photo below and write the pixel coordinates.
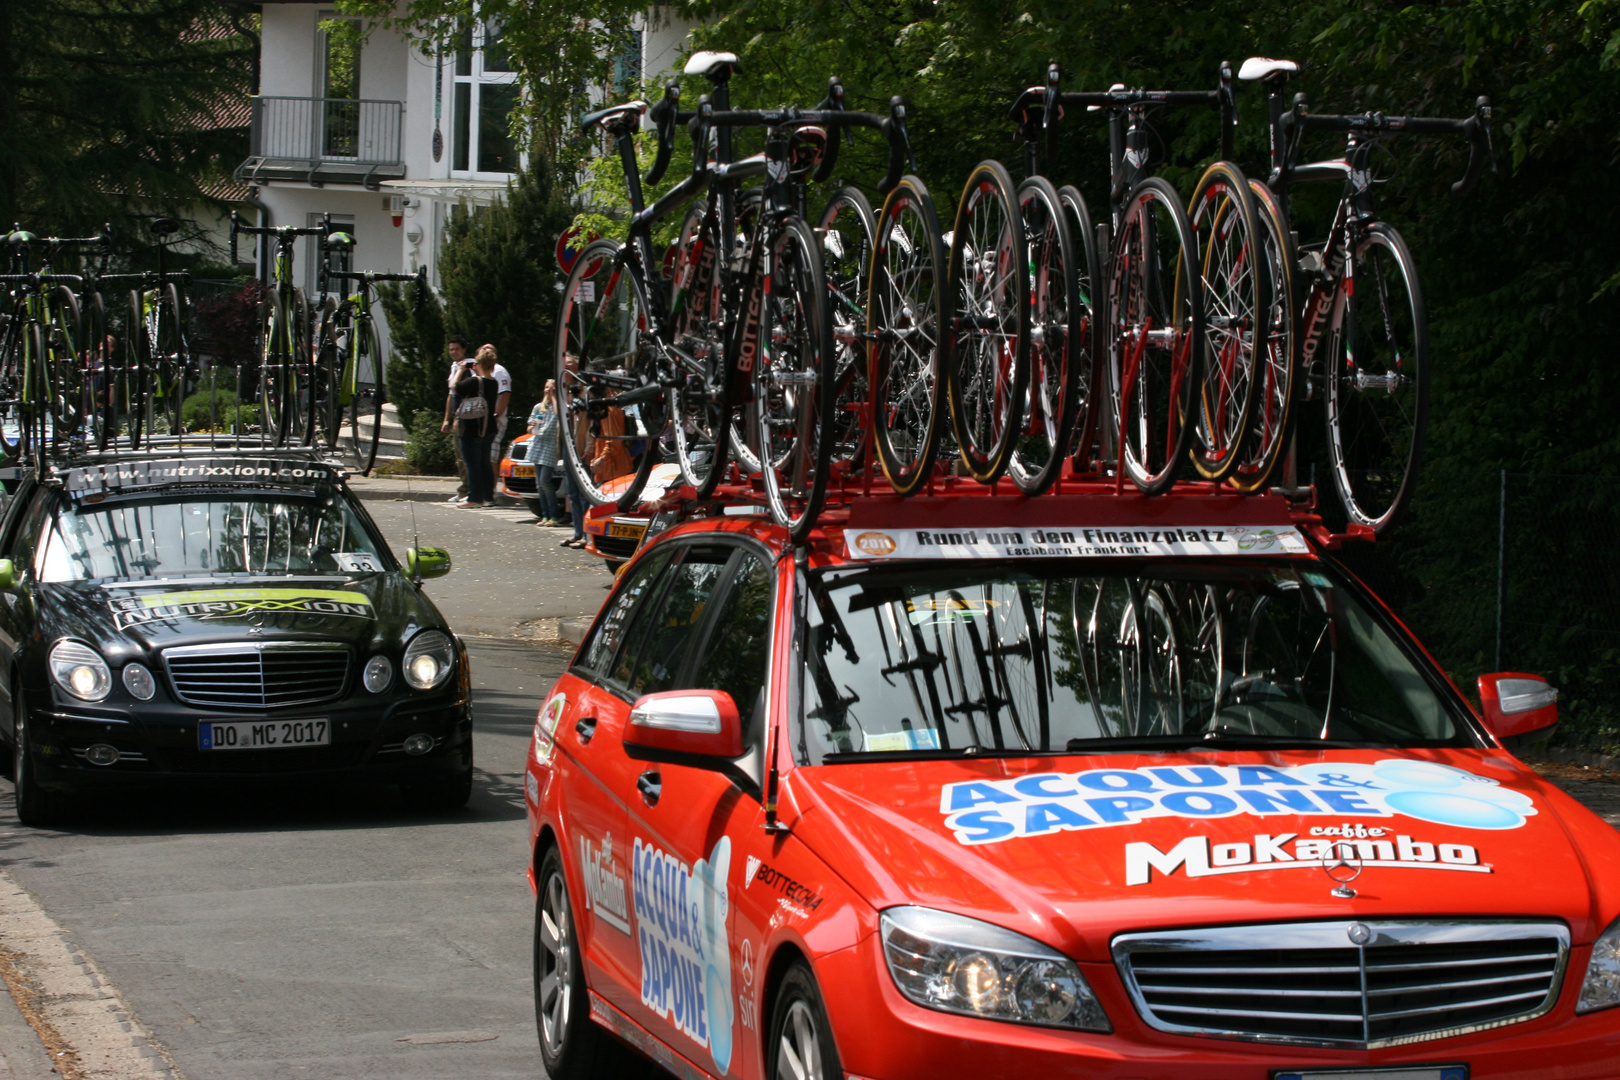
(372, 276)
(281, 232)
(1043, 104)
(1477, 127)
(664, 115)
(892, 126)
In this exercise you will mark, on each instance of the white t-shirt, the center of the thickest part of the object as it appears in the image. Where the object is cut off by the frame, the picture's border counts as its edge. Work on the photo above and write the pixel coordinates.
(503, 378)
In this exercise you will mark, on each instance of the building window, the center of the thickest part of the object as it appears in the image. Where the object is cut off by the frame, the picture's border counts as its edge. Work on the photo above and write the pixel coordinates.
(340, 41)
(485, 93)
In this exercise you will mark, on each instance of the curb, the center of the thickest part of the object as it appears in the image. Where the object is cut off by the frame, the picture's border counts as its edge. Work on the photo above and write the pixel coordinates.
(22, 1055)
(573, 628)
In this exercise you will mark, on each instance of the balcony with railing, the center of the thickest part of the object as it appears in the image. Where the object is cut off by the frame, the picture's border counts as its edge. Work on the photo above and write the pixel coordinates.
(325, 141)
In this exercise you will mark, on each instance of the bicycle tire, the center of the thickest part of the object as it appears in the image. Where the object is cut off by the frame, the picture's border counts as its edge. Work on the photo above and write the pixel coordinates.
(64, 388)
(986, 344)
(273, 368)
(750, 203)
(328, 408)
(35, 413)
(301, 382)
(1086, 339)
(362, 379)
(1236, 304)
(599, 328)
(1041, 443)
(907, 284)
(175, 351)
(11, 361)
(698, 405)
(793, 384)
(1378, 392)
(137, 370)
(847, 228)
(1272, 421)
(100, 404)
(1155, 336)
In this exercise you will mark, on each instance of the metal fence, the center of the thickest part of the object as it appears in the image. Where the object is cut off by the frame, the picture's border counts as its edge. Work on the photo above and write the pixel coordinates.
(327, 130)
(1514, 572)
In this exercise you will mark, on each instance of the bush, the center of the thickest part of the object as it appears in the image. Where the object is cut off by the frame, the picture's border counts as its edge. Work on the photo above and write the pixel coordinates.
(418, 365)
(430, 451)
(198, 414)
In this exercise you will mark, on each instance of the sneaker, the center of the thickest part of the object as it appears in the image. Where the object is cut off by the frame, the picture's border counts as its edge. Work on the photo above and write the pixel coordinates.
(457, 499)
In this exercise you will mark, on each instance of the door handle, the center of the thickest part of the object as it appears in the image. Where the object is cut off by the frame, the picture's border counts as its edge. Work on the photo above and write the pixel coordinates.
(650, 784)
(585, 729)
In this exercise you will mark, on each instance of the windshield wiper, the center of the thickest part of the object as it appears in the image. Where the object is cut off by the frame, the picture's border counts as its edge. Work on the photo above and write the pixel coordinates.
(1213, 740)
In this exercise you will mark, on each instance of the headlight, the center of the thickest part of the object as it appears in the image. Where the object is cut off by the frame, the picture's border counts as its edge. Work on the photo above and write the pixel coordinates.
(379, 673)
(80, 671)
(961, 965)
(1601, 990)
(139, 682)
(429, 659)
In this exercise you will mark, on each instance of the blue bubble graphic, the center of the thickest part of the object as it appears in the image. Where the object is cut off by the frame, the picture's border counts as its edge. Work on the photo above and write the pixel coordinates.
(1418, 774)
(1446, 809)
(719, 1018)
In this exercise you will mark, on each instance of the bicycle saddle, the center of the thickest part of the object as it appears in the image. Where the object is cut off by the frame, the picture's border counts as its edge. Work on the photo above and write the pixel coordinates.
(1259, 67)
(340, 240)
(717, 66)
(164, 226)
(614, 114)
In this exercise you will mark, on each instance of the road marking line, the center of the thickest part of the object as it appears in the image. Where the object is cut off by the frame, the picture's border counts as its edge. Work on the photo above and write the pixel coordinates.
(71, 1003)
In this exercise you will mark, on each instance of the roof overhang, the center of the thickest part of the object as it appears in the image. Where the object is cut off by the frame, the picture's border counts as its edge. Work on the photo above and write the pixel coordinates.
(473, 192)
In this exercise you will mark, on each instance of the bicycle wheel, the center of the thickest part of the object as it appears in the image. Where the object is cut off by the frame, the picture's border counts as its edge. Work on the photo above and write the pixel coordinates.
(360, 379)
(101, 414)
(35, 409)
(1085, 333)
(987, 329)
(328, 387)
(300, 406)
(600, 349)
(1155, 335)
(64, 366)
(1378, 391)
(698, 403)
(136, 370)
(793, 386)
(275, 368)
(1048, 414)
(169, 349)
(1271, 422)
(12, 356)
(902, 322)
(847, 228)
(1237, 302)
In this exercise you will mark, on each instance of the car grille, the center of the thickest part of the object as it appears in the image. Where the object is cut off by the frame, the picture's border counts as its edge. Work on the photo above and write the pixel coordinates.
(616, 547)
(1312, 984)
(521, 485)
(258, 677)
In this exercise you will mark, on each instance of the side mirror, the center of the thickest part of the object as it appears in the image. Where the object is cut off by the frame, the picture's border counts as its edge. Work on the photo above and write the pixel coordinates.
(685, 727)
(8, 574)
(426, 562)
(1520, 710)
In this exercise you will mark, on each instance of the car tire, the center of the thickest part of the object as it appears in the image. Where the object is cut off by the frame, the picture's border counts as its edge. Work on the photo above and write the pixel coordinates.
(801, 1045)
(534, 507)
(36, 807)
(438, 794)
(572, 1046)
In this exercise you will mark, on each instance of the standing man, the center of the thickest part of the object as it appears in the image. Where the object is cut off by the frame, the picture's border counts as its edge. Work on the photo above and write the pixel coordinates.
(456, 346)
(504, 379)
(476, 405)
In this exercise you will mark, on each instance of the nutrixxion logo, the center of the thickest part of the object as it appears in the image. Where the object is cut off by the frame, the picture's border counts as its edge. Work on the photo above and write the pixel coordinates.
(236, 603)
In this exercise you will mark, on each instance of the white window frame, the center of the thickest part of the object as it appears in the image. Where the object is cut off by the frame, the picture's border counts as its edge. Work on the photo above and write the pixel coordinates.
(475, 81)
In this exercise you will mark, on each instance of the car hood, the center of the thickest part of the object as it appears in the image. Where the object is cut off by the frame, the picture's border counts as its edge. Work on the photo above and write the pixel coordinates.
(1073, 850)
(126, 620)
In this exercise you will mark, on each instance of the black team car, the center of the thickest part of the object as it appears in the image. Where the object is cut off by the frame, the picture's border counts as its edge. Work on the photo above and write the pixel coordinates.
(222, 617)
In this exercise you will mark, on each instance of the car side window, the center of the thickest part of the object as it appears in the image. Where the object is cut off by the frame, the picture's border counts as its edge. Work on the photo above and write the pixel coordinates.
(737, 654)
(26, 537)
(635, 592)
(661, 642)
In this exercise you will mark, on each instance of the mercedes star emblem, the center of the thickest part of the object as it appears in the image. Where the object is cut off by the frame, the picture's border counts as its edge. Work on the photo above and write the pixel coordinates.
(1343, 865)
(1360, 933)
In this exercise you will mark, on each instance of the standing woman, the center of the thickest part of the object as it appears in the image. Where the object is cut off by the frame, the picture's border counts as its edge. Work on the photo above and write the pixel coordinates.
(479, 406)
(543, 453)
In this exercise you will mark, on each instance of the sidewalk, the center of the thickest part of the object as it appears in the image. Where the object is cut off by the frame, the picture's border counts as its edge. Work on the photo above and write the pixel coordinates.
(22, 1055)
(416, 488)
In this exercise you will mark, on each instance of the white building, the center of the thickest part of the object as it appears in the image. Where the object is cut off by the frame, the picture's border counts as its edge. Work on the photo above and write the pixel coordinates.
(385, 139)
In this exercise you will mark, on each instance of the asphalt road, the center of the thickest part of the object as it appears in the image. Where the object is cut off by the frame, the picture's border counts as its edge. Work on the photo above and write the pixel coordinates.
(332, 934)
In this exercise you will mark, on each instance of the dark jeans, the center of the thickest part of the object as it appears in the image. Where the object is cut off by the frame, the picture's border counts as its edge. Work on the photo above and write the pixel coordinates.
(480, 473)
(576, 502)
(548, 494)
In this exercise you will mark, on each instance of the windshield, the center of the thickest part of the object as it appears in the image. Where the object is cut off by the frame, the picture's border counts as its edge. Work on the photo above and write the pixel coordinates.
(248, 533)
(1094, 657)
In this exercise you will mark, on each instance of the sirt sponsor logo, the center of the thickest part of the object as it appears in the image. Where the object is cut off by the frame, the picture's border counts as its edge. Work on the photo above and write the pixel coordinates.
(685, 950)
(605, 890)
(990, 811)
(1196, 857)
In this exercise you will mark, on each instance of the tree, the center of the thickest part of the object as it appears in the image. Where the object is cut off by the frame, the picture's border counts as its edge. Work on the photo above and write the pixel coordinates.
(418, 366)
(110, 104)
(499, 277)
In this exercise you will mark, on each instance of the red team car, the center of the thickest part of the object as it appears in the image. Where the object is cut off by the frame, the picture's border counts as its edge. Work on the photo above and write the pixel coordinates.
(1083, 786)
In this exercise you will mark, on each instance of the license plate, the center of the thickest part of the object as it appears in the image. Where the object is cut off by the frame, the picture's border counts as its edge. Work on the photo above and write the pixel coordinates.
(627, 532)
(1427, 1072)
(523, 470)
(262, 734)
